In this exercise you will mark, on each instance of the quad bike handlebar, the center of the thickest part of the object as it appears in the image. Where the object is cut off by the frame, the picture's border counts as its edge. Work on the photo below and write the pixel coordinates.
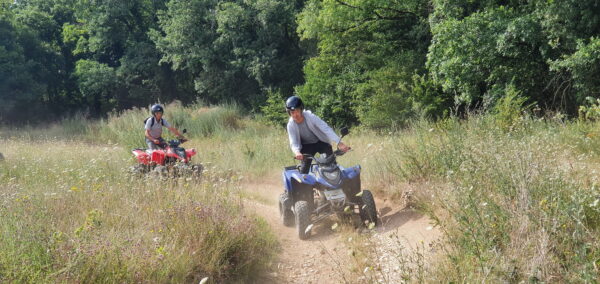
(173, 143)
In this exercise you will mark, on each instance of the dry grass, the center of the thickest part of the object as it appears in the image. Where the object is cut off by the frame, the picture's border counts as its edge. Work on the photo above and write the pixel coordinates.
(518, 203)
(70, 212)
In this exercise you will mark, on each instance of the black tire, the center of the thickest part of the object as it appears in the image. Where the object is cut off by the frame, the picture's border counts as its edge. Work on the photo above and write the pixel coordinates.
(286, 214)
(139, 169)
(197, 170)
(302, 214)
(160, 172)
(368, 211)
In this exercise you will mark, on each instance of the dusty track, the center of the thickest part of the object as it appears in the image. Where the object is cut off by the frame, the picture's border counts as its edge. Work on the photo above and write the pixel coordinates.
(323, 258)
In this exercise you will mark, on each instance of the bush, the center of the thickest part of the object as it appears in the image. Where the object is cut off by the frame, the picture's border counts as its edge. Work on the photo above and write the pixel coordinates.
(590, 111)
(509, 110)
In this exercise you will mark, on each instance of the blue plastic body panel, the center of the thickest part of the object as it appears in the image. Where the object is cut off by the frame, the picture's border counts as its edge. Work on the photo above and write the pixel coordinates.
(312, 180)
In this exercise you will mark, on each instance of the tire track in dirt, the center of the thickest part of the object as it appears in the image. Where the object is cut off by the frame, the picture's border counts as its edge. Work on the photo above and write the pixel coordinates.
(323, 258)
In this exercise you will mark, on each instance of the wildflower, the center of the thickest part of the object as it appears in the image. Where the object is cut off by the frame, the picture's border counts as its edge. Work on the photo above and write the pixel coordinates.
(334, 226)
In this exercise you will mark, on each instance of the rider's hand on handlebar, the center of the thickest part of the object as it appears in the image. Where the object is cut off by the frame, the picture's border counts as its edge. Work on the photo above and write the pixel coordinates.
(156, 141)
(299, 156)
(343, 147)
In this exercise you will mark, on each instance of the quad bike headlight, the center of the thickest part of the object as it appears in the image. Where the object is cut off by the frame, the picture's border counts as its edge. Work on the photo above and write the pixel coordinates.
(331, 175)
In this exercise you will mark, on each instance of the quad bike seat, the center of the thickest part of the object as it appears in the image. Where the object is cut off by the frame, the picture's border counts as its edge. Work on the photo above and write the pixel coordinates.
(291, 168)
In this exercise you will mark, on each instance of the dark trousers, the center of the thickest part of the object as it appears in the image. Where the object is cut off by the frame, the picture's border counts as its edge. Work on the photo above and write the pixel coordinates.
(312, 149)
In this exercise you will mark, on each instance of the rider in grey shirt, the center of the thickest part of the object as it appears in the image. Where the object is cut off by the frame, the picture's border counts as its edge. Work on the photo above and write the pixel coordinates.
(309, 134)
(154, 127)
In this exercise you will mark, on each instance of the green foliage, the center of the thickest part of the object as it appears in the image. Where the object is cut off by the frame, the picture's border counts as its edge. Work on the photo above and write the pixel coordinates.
(235, 50)
(388, 100)
(358, 43)
(591, 110)
(583, 67)
(345, 58)
(274, 109)
(481, 47)
(97, 83)
(392, 102)
(479, 55)
(510, 110)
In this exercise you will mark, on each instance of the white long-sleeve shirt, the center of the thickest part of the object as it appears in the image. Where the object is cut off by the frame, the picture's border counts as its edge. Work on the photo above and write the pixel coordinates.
(316, 125)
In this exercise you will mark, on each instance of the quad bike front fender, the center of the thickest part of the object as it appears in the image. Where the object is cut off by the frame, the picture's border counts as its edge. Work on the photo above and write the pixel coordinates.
(290, 176)
(351, 173)
(190, 153)
(351, 183)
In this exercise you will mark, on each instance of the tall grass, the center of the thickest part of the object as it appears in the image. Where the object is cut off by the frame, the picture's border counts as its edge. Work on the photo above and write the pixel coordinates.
(517, 205)
(516, 196)
(71, 213)
(127, 128)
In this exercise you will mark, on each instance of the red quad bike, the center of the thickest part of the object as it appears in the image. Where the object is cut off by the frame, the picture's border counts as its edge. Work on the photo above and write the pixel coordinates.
(171, 160)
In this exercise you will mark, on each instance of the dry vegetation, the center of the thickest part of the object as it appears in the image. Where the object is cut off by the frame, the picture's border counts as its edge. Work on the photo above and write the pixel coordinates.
(516, 199)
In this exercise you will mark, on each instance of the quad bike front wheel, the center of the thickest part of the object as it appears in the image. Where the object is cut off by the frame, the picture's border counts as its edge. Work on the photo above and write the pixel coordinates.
(286, 214)
(139, 169)
(160, 172)
(302, 214)
(368, 211)
(187, 170)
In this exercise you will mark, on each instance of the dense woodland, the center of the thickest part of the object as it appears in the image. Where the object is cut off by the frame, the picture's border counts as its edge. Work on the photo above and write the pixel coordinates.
(377, 63)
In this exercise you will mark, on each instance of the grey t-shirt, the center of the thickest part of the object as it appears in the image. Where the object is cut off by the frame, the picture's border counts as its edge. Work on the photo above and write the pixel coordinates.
(306, 136)
(156, 129)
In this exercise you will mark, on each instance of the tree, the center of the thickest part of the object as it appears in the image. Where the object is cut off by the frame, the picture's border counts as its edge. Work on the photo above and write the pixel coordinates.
(480, 49)
(363, 48)
(235, 50)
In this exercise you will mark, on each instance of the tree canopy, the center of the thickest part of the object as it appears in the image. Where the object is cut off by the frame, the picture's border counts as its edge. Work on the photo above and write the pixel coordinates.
(371, 62)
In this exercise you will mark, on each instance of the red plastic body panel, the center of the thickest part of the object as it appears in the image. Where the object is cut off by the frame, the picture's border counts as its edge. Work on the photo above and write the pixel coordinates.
(158, 157)
(141, 156)
(190, 152)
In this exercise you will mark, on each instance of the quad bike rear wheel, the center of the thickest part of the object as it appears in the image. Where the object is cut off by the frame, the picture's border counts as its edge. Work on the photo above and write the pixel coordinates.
(302, 214)
(139, 169)
(368, 211)
(286, 214)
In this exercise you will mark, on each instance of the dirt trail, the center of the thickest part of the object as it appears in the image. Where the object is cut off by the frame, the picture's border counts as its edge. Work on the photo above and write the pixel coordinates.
(323, 257)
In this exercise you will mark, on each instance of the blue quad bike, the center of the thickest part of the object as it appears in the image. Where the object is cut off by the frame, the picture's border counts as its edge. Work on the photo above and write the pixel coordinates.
(327, 189)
